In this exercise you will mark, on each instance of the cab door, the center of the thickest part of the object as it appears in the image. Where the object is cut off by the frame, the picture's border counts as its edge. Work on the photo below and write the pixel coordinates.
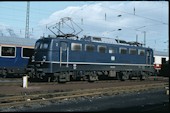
(64, 53)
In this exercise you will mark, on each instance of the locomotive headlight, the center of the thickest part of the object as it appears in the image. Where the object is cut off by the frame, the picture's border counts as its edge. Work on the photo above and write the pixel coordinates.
(44, 58)
(33, 58)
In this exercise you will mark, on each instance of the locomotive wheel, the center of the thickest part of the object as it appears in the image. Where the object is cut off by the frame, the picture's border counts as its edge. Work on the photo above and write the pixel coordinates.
(123, 76)
(4, 73)
(54, 79)
(92, 77)
(130, 77)
(143, 77)
(62, 77)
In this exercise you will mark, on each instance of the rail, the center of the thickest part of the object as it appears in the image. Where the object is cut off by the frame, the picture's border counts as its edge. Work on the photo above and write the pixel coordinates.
(40, 98)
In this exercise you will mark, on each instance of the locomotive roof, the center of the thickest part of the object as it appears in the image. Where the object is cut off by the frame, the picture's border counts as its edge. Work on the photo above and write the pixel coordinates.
(17, 41)
(99, 40)
(95, 42)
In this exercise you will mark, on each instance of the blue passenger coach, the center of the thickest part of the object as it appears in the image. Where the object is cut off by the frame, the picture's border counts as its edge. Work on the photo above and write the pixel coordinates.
(14, 55)
(89, 58)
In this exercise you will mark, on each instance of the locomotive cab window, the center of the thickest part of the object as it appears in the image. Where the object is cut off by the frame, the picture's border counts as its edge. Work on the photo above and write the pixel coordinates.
(44, 45)
(8, 51)
(141, 52)
(123, 50)
(37, 45)
(76, 47)
(27, 52)
(133, 51)
(89, 48)
(101, 49)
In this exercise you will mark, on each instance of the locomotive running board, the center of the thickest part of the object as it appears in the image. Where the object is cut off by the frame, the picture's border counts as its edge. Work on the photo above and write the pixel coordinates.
(55, 62)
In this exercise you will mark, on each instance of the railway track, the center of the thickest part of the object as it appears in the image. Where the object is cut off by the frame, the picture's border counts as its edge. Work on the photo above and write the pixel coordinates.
(29, 100)
(55, 83)
(18, 81)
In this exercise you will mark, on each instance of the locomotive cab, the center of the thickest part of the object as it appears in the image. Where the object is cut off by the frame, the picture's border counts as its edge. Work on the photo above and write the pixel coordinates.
(49, 53)
(42, 54)
(42, 49)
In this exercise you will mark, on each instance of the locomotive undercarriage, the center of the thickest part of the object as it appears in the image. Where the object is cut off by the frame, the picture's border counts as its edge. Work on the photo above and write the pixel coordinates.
(11, 72)
(65, 73)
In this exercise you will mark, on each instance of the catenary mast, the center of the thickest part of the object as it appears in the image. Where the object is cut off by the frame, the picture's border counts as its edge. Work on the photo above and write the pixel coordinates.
(27, 20)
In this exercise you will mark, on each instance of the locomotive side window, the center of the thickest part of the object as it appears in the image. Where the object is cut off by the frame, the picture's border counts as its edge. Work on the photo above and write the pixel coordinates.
(27, 52)
(76, 47)
(133, 51)
(123, 50)
(141, 52)
(101, 49)
(89, 48)
(112, 50)
(8, 51)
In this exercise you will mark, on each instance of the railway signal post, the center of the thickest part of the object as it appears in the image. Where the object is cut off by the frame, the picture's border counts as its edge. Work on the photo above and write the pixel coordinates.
(25, 81)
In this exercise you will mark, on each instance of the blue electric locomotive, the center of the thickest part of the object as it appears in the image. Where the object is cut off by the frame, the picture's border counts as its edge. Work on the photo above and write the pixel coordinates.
(65, 58)
(14, 55)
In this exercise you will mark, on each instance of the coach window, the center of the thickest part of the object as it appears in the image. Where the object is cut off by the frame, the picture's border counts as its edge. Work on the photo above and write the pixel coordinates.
(133, 51)
(8, 51)
(141, 52)
(27, 52)
(123, 50)
(89, 48)
(76, 47)
(101, 49)
(112, 50)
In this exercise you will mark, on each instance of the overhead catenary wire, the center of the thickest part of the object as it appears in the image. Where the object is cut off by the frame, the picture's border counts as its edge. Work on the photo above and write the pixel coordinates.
(137, 15)
(20, 9)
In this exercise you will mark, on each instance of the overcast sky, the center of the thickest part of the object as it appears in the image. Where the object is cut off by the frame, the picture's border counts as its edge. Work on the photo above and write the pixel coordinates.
(95, 18)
